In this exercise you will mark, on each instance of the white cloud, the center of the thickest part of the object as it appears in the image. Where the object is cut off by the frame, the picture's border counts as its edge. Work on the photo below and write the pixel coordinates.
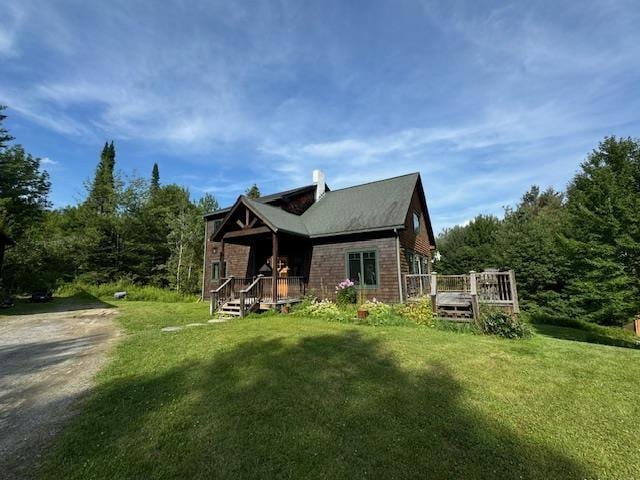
(48, 161)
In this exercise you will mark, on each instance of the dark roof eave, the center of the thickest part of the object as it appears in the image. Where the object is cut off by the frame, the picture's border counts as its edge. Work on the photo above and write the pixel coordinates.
(268, 198)
(206, 216)
(356, 232)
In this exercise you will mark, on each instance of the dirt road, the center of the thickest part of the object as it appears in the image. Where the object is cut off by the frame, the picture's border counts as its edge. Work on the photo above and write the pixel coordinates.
(47, 363)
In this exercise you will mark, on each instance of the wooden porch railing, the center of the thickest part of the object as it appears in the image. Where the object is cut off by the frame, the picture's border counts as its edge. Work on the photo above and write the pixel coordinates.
(256, 290)
(221, 295)
(251, 296)
(289, 288)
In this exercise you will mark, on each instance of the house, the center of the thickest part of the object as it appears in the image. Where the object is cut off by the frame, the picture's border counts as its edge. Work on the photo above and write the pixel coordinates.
(269, 251)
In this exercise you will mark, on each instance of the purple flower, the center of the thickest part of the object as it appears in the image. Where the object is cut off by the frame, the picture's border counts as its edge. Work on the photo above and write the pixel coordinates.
(344, 284)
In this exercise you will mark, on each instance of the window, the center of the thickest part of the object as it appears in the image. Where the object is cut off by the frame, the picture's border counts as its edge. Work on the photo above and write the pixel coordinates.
(416, 222)
(215, 270)
(418, 264)
(362, 268)
(216, 225)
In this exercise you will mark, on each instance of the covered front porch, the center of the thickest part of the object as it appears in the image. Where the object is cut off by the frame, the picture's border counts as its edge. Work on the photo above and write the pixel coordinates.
(277, 267)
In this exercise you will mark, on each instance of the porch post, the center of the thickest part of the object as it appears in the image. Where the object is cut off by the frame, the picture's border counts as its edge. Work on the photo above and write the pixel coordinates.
(274, 266)
(223, 271)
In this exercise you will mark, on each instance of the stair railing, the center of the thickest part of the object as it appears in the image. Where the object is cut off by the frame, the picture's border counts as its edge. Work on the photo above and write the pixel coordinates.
(251, 296)
(221, 295)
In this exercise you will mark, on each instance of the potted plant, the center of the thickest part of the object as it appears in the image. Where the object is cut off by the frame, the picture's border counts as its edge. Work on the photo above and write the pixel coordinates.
(363, 312)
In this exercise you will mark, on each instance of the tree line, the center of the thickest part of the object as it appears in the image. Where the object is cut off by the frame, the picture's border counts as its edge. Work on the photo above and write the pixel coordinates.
(576, 253)
(131, 228)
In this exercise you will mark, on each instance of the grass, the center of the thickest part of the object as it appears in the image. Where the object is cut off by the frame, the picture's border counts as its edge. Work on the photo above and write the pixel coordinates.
(287, 397)
(579, 330)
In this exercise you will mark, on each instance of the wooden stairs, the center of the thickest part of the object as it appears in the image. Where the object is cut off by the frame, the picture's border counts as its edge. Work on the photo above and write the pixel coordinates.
(455, 305)
(232, 307)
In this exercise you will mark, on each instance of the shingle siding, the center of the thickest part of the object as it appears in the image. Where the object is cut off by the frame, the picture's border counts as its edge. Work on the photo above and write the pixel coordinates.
(328, 266)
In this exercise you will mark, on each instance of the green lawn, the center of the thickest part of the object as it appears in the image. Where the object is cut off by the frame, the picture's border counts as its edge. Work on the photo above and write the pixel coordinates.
(284, 397)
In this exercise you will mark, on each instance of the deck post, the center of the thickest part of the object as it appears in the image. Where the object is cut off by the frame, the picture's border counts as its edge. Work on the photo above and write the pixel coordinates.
(514, 291)
(434, 292)
(242, 297)
(274, 267)
(473, 289)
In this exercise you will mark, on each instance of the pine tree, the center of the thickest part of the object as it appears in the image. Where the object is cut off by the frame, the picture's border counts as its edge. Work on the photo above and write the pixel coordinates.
(4, 133)
(603, 240)
(529, 244)
(102, 194)
(155, 178)
(253, 192)
(469, 247)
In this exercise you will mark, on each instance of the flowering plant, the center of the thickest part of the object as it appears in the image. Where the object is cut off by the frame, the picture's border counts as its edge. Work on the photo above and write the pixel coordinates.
(345, 284)
(325, 308)
(346, 292)
(376, 308)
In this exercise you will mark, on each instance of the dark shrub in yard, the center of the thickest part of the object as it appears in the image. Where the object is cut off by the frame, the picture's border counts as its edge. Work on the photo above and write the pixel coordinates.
(495, 321)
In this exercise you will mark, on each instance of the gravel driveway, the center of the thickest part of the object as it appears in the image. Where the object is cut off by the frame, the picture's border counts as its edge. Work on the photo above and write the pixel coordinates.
(47, 362)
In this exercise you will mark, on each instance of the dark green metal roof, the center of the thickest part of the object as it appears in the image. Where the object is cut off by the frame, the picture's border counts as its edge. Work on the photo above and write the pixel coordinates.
(380, 205)
(274, 197)
(375, 206)
(277, 218)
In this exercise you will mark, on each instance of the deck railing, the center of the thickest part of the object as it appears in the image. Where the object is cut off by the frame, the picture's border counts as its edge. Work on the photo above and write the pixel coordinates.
(493, 288)
(453, 283)
(416, 285)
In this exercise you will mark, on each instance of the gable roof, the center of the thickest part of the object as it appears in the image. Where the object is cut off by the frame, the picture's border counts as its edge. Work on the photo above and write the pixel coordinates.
(276, 218)
(380, 205)
(273, 197)
(375, 206)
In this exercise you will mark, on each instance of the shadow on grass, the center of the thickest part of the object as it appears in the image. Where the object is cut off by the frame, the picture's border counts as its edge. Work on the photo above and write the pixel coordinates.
(329, 406)
(578, 335)
(80, 301)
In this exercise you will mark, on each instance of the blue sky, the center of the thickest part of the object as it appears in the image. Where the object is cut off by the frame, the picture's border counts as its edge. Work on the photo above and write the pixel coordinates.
(483, 98)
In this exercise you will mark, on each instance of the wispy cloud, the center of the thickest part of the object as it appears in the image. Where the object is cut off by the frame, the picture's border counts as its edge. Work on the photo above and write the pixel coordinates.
(482, 99)
(48, 161)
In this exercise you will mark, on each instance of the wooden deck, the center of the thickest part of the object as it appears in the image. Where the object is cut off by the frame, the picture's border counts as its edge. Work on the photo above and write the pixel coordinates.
(462, 296)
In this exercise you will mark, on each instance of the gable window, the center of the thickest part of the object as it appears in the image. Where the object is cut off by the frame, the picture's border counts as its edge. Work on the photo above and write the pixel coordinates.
(216, 225)
(416, 222)
(362, 268)
(215, 270)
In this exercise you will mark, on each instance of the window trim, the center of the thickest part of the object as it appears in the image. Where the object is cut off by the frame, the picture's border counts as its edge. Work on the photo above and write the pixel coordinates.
(213, 279)
(361, 251)
(413, 221)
